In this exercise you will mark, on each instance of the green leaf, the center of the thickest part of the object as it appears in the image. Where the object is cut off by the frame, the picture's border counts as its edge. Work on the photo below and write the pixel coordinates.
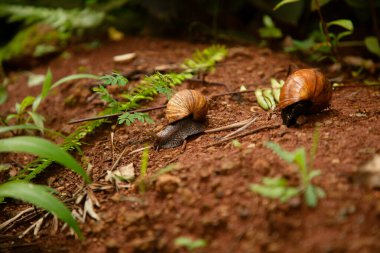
(73, 77)
(300, 159)
(287, 156)
(320, 192)
(283, 193)
(372, 45)
(268, 22)
(283, 2)
(268, 191)
(275, 181)
(189, 243)
(38, 120)
(311, 196)
(4, 129)
(344, 23)
(3, 94)
(44, 149)
(26, 102)
(314, 173)
(41, 197)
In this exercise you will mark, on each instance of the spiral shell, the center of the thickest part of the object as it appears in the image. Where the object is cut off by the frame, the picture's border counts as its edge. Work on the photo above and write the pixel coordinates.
(306, 84)
(185, 103)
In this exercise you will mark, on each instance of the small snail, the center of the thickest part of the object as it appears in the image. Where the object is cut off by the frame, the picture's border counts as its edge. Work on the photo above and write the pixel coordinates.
(186, 112)
(305, 91)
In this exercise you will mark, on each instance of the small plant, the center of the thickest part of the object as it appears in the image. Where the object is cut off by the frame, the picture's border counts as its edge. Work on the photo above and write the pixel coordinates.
(269, 31)
(321, 44)
(39, 195)
(189, 243)
(143, 170)
(26, 111)
(114, 79)
(278, 188)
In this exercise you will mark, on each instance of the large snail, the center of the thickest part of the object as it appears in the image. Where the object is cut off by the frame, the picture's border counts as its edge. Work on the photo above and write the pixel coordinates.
(186, 113)
(305, 91)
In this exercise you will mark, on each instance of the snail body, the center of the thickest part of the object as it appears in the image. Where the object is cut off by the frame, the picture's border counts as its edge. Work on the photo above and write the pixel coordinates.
(186, 113)
(305, 91)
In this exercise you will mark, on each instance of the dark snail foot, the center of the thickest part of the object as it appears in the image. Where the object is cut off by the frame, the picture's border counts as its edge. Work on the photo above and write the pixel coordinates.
(176, 133)
(292, 112)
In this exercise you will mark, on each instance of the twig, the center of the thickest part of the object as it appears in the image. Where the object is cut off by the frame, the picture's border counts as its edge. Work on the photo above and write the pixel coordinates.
(243, 134)
(228, 127)
(241, 128)
(6, 223)
(148, 109)
(115, 114)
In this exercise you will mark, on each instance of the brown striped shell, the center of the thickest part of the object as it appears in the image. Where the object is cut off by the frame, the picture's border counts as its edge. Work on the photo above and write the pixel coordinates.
(306, 84)
(185, 103)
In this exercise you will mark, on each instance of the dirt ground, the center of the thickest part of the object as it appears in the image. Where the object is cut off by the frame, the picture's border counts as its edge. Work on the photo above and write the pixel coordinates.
(210, 198)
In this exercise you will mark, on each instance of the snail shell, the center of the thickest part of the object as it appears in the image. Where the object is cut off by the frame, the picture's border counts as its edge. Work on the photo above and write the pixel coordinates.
(185, 103)
(186, 112)
(305, 91)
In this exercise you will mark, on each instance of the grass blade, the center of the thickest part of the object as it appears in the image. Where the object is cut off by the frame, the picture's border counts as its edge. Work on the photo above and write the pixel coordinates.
(73, 77)
(40, 196)
(44, 149)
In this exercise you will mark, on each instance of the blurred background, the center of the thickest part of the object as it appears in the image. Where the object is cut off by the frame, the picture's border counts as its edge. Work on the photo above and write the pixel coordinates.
(318, 29)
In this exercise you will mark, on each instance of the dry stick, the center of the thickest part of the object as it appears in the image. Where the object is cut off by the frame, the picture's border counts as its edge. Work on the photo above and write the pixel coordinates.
(148, 109)
(231, 126)
(243, 134)
(115, 114)
(240, 129)
(325, 30)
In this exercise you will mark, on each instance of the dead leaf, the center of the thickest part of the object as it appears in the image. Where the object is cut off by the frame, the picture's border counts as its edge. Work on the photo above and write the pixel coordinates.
(124, 57)
(369, 173)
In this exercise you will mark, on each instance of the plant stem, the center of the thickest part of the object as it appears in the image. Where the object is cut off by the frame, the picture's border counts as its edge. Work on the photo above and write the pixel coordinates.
(326, 31)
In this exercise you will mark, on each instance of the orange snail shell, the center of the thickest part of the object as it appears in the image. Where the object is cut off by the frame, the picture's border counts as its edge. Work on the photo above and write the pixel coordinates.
(185, 103)
(306, 84)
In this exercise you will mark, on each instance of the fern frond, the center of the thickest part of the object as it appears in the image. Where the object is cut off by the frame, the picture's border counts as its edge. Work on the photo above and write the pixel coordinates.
(60, 19)
(204, 61)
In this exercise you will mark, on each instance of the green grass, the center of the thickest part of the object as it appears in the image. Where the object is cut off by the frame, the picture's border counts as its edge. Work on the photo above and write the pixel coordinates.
(278, 188)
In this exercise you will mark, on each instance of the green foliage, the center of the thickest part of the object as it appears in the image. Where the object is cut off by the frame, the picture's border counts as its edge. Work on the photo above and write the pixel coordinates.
(275, 188)
(45, 30)
(3, 93)
(129, 118)
(204, 61)
(60, 19)
(278, 188)
(26, 111)
(269, 31)
(44, 149)
(372, 44)
(143, 91)
(189, 243)
(40, 196)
